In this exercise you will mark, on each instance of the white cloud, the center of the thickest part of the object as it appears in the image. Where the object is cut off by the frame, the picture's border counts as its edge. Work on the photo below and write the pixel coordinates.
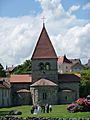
(75, 43)
(68, 34)
(87, 6)
(73, 8)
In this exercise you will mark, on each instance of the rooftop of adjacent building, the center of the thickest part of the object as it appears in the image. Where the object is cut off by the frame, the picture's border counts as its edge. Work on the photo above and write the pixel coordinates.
(69, 77)
(24, 78)
(63, 59)
(10, 68)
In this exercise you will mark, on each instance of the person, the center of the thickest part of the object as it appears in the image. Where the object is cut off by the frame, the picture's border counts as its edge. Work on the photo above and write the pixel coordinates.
(43, 108)
(50, 108)
(47, 108)
(35, 110)
(38, 108)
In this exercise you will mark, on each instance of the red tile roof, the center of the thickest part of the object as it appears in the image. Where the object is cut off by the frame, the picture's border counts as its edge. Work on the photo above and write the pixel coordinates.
(63, 59)
(21, 78)
(44, 47)
(44, 82)
(69, 78)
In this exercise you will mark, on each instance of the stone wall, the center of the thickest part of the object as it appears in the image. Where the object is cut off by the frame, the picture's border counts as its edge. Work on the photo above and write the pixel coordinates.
(15, 97)
(69, 92)
(49, 91)
(18, 86)
(24, 98)
(51, 74)
(5, 97)
(65, 67)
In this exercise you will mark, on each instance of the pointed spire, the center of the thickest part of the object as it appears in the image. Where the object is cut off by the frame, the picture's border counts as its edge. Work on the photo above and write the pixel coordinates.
(43, 25)
(44, 47)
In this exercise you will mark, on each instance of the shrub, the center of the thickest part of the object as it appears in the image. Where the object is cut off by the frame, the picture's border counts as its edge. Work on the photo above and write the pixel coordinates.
(79, 105)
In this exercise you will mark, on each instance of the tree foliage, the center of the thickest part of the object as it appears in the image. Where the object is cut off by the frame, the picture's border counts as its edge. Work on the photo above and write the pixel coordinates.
(24, 68)
(2, 71)
(85, 83)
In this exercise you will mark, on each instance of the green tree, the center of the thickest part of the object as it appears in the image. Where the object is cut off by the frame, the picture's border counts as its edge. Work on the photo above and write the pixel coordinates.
(85, 83)
(2, 71)
(24, 68)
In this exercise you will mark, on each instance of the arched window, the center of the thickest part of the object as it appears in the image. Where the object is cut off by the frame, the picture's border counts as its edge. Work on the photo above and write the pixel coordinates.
(47, 66)
(44, 96)
(41, 66)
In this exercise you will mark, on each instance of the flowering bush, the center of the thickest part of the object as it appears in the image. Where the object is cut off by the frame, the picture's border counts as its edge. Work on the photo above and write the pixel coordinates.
(79, 105)
(73, 107)
(81, 102)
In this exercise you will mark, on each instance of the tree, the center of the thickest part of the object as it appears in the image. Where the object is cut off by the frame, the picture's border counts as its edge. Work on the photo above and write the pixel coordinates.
(2, 71)
(24, 68)
(85, 83)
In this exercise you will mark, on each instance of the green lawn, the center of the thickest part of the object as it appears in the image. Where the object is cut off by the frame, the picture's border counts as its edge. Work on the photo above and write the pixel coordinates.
(59, 111)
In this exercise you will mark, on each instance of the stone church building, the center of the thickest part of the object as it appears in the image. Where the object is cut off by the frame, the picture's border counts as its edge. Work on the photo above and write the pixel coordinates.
(45, 84)
(48, 86)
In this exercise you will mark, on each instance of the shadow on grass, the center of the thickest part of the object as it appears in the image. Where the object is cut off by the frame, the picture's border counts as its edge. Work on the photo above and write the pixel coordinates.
(3, 113)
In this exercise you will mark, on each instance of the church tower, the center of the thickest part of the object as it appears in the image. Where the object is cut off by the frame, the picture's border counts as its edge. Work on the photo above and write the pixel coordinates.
(44, 59)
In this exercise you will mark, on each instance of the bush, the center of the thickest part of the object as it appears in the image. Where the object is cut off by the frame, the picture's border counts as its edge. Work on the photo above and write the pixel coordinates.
(79, 105)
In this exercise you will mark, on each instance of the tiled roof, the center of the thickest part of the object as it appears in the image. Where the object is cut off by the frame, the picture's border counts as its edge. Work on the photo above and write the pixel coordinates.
(63, 59)
(44, 47)
(44, 82)
(75, 61)
(69, 77)
(23, 90)
(10, 69)
(21, 78)
(77, 64)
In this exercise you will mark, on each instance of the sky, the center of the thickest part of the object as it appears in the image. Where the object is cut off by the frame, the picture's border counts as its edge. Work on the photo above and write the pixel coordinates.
(67, 23)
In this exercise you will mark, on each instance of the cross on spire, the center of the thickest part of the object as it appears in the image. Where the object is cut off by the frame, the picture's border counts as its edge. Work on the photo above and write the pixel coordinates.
(43, 18)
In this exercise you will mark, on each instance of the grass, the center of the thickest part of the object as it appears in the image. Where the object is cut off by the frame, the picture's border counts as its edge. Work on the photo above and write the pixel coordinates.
(59, 111)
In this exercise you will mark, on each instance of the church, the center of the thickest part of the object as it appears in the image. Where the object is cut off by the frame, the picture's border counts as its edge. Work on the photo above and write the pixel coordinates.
(45, 84)
(48, 86)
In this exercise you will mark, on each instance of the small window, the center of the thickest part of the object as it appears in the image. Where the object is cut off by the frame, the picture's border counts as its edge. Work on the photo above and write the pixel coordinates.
(44, 96)
(47, 66)
(41, 66)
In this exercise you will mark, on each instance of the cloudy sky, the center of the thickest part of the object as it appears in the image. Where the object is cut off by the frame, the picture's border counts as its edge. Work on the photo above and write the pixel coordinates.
(67, 23)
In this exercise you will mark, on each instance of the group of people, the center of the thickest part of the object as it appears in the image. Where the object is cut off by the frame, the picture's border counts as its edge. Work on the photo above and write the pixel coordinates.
(41, 109)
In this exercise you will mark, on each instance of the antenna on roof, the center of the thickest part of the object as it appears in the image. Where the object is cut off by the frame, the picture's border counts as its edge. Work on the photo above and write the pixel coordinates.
(43, 18)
